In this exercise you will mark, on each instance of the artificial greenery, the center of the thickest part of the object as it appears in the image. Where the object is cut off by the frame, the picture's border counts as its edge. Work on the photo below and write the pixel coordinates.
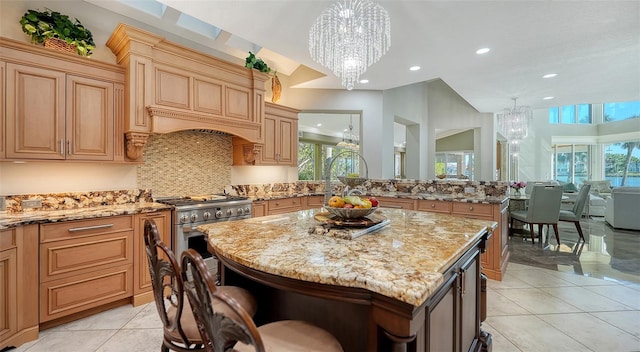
(255, 62)
(48, 24)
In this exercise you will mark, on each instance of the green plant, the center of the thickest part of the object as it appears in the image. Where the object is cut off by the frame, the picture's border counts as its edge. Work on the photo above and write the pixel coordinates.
(255, 62)
(50, 24)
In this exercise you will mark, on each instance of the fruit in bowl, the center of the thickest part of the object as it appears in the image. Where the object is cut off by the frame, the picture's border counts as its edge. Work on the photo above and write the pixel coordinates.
(351, 207)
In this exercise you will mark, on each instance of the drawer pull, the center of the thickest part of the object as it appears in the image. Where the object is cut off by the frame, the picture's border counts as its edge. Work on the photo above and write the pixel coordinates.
(471, 208)
(103, 226)
(277, 203)
(433, 205)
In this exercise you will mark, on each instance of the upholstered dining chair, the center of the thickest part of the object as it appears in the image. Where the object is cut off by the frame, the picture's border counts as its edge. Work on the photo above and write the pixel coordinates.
(575, 213)
(217, 330)
(543, 209)
(179, 326)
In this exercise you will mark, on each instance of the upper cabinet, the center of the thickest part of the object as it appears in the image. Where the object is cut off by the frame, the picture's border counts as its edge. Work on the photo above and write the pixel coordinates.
(280, 137)
(172, 88)
(60, 107)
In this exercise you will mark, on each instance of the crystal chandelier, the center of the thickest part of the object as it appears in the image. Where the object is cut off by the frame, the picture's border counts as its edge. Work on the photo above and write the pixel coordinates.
(514, 123)
(350, 36)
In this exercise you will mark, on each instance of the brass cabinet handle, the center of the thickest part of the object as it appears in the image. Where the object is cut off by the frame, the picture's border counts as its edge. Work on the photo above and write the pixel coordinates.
(69, 146)
(95, 227)
(62, 147)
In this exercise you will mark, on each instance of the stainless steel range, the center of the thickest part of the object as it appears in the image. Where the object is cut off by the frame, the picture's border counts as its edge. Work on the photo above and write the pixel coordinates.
(191, 212)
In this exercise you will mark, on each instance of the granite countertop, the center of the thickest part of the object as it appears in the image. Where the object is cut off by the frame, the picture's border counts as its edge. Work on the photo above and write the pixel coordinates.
(404, 260)
(401, 195)
(10, 219)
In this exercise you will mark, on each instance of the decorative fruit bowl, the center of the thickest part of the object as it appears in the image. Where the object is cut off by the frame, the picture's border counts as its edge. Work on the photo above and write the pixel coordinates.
(351, 213)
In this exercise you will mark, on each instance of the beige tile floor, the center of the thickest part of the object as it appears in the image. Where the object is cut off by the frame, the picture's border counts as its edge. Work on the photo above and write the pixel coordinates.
(532, 309)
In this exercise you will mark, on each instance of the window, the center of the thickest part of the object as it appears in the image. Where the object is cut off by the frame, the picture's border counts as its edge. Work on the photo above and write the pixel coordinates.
(455, 164)
(571, 114)
(621, 111)
(314, 159)
(622, 164)
(571, 163)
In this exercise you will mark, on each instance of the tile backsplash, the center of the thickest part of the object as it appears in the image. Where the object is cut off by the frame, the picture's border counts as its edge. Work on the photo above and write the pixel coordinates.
(186, 163)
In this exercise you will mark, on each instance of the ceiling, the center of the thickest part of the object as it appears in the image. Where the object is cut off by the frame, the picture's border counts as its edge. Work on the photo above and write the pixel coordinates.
(593, 46)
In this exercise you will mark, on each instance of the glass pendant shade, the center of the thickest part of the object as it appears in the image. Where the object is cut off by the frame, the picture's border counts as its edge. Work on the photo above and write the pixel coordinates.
(514, 123)
(349, 139)
(350, 36)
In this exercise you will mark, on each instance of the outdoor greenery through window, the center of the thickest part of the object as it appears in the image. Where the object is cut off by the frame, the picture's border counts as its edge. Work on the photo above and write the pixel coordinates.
(622, 164)
(571, 114)
(571, 163)
(314, 159)
(621, 111)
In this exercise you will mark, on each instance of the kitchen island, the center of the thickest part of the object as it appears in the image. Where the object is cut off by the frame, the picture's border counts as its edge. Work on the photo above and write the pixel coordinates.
(412, 285)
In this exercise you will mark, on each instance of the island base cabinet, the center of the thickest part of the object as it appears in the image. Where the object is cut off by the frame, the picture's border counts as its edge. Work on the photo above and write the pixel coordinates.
(18, 286)
(449, 320)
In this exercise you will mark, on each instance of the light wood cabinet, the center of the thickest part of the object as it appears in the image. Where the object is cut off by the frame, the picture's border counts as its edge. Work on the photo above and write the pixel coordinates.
(3, 70)
(85, 264)
(60, 107)
(18, 285)
(280, 136)
(284, 205)
(397, 203)
(258, 208)
(142, 289)
(74, 115)
(434, 206)
(313, 202)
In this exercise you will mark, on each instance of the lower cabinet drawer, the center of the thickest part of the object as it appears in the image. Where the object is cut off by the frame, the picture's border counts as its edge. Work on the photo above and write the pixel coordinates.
(436, 206)
(284, 205)
(74, 294)
(72, 257)
(472, 209)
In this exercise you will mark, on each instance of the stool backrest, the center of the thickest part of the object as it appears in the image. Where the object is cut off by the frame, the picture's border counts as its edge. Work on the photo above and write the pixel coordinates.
(544, 205)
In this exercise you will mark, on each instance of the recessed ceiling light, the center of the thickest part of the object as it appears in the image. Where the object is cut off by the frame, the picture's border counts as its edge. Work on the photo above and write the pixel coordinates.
(550, 75)
(548, 98)
(483, 51)
(319, 125)
(414, 68)
(364, 81)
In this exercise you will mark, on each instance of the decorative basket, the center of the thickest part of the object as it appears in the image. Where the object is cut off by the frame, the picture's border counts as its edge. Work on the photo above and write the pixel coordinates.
(60, 45)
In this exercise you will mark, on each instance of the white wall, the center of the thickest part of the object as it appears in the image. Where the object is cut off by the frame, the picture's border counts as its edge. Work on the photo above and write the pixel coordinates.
(57, 177)
(447, 110)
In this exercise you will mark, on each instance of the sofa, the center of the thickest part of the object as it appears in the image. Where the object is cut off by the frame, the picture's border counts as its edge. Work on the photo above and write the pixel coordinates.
(595, 205)
(600, 189)
(623, 207)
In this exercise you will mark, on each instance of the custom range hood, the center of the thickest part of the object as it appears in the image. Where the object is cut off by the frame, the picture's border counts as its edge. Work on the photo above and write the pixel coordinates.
(170, 88)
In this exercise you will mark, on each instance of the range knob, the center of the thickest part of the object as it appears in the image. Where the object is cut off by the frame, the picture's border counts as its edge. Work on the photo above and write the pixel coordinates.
(247, 210)
(184, 219)
(229, 212)
(218, 214)
(194, 217)
(206, 215)
(239, 211)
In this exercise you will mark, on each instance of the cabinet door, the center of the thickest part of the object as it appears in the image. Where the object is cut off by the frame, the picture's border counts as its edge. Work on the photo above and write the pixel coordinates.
(442, 319)
(90, 116)
(141, 277)
(2, 107)
(469, 302)
(271, 140)
(258, 208)
(288, 131)
(8, 294)
(35, 111)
